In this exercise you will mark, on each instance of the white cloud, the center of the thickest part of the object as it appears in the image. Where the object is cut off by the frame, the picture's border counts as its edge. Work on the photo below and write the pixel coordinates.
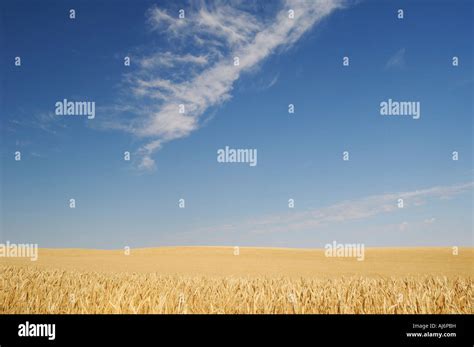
(349, 210)
(159, 19)
(46, 121)
(272, 82)
(206, 79)
(397, 60)
(169, 60)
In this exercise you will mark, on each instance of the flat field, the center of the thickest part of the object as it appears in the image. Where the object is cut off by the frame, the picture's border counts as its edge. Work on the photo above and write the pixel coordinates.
(258, 280)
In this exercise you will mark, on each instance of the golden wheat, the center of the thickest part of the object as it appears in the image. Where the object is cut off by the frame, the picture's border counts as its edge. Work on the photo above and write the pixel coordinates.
(35, 290)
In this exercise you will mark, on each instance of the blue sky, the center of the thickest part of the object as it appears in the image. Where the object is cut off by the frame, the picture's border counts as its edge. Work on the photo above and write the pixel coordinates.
(190, 61)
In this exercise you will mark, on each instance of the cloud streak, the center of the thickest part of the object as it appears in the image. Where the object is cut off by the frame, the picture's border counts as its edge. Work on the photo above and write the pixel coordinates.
(345, 211)
(397, 60)
(205, 79)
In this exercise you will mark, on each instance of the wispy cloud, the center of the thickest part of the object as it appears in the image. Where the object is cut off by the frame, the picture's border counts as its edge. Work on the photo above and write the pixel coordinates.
(168, 60)
(205, 79)
(349, 210)
(273, 82)
(396, 60)
(265, 83)
(45, 121)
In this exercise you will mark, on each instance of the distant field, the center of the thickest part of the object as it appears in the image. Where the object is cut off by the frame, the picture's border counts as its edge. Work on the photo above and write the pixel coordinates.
(258, 280)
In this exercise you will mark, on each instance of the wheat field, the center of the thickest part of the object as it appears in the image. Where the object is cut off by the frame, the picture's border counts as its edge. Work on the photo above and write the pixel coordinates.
(212, 280)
